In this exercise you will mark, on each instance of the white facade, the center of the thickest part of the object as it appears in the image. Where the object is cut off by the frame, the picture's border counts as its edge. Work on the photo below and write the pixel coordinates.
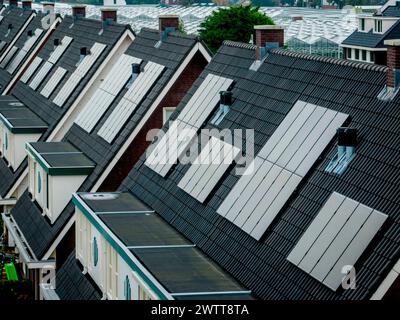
(105, 266)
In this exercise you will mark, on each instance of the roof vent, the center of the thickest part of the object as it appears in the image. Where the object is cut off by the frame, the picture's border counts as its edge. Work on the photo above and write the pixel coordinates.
(135, 73)
(30, 33)
(10, 26)
(56, 42)
(347, 142)
(225, 102)
(83, 53)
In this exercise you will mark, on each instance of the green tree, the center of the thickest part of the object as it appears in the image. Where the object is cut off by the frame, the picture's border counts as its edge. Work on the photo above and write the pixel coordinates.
(234, 23)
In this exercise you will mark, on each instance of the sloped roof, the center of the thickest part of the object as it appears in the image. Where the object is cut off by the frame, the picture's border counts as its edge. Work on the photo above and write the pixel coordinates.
(392, 11)
(5, 76)
(15, 16)
(371, 39)
(262, 99)
(38, 232)
(72, 284)
(85, 33)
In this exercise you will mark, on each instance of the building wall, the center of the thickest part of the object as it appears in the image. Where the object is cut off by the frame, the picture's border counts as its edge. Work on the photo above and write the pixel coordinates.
(139, 144)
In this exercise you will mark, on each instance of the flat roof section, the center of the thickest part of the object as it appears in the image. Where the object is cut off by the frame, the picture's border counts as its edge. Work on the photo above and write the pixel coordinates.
(60, 158)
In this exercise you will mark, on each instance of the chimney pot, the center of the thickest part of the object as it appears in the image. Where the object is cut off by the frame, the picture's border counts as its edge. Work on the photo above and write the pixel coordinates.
(135, 68)
(109, 14)
(83, 51)
(56, 42)
(79, 11)
(393, 63)
(268, 35)
(347, 137)
(13, 3)
(27, 4)
(168, 21)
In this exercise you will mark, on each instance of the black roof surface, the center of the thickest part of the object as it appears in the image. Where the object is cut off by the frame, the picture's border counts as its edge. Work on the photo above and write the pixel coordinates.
(372, 40)
(36, 229)
(392, 11)
(5, 76)
(17, 17)
(72, 284)
(85, 33)
(261, 101)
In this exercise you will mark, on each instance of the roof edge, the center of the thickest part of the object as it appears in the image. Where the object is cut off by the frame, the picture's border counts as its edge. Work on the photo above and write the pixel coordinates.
(342, 62)
(241, 45)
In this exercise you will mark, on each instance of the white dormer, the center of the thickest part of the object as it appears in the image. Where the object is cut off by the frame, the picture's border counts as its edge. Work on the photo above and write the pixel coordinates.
(376, 24)
(18, 125)
(56, 170)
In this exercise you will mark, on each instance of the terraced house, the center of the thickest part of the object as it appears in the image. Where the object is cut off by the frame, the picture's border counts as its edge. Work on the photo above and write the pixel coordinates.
(141, 87)
(315, 216)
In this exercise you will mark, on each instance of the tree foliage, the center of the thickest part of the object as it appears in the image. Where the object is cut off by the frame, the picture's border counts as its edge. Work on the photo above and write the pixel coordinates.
(235, 23)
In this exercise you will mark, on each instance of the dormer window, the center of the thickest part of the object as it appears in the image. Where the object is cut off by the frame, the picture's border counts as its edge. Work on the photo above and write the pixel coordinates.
(378, 26)
(18, 125)
(56, 170)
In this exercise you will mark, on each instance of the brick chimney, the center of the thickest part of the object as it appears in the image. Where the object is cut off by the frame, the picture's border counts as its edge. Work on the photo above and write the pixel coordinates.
(79, 11)
(108, 14)
(27, 4)
(13, 3)
(393, 63)
(268, 36)
(168, 21)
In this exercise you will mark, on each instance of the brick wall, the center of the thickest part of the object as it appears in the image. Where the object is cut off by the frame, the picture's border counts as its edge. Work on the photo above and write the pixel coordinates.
(268, 35)
(393, 62)
(139, 144)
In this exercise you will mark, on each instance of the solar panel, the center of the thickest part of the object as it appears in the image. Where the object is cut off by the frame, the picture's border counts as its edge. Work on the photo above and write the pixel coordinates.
(195, 113)
(108, 90)
(60, 49)
(208, 168)
(31, 69)
(337, 237)
(39, 77)
(285, 159)
(2, 43)
(53, 82)
(24, 51)
(8, 57)
(132, 98)
(79, 73)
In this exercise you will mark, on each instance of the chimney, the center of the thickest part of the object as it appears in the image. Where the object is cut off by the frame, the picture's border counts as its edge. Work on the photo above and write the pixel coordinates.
(393, 63)
(225, 102)
(27, 4)
(79, 11)
(56, 42)
(13, 3)
(108, 14)
(48, 7)
(169, 23)
(267, 37)
(135, 73)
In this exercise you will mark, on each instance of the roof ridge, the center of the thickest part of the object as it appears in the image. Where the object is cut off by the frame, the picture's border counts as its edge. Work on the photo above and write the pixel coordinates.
(242, 45)
(342, 62)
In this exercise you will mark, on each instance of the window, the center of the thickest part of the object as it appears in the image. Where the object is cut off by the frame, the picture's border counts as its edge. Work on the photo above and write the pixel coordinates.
(95, 252)
(378, 25)
(364, 55)
(362, 24)
(357, 54)
(127, 289)
(336, 238)
(167, 112)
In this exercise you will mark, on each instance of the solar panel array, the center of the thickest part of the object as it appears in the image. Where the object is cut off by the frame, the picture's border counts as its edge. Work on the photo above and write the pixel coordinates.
(53, 82)
(130, 101)
(29, 43)
(101, 100)
(8, 57)
(279, 167)
(79, 73)
(48, 65)
(184, 128)
(208, 168)
(31, 69)
(336, 238)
